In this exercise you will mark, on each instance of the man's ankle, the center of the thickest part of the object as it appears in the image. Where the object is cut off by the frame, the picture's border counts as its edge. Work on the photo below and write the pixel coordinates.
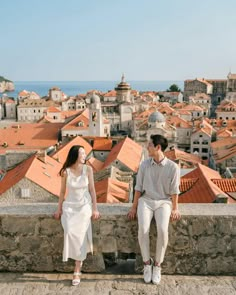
(149, 262)
(157, 264)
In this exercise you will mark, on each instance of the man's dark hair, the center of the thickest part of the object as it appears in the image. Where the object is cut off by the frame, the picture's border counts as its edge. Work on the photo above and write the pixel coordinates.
(159, 139)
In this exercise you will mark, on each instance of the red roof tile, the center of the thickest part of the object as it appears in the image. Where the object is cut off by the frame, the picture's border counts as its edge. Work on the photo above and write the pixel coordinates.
(110, 190)
(127, 152)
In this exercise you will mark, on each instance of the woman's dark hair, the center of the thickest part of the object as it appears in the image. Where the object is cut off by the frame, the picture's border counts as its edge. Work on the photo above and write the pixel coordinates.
(71, 158)
(159, 139)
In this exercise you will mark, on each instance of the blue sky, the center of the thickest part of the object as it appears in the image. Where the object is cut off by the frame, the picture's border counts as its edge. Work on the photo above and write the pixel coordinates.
(90, 40)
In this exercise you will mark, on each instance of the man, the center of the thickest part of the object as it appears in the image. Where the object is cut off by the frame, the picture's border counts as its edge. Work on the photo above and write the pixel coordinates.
(156, 194)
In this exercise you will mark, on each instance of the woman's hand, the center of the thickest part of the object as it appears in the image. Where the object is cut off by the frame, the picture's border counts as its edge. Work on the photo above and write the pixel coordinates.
(57, 214)
(96, 215)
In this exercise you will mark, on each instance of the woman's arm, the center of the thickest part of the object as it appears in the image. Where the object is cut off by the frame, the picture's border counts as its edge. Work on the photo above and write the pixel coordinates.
(96, 214)
(58, 213)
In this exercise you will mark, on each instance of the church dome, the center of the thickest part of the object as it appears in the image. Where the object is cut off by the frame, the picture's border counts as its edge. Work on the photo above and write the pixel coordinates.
(156, 117)
(95, 98)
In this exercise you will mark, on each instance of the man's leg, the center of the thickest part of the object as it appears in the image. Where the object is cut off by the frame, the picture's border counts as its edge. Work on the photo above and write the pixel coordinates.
(162, 217)
(145, 214)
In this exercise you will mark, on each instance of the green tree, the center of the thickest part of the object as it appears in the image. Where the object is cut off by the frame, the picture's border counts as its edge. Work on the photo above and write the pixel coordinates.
(174, 88)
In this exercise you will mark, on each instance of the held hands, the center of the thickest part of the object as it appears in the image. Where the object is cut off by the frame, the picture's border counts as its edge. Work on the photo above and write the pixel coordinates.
(175, 215)
(132, 213)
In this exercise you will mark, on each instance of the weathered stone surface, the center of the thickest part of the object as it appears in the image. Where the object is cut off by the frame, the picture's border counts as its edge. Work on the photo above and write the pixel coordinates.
(93, 284)
(94, 263)
(7, 243)
(19, 224)
(202, 242)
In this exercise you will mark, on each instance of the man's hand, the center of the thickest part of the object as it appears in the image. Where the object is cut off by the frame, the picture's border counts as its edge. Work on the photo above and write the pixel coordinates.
(175, 215)
(132, 214)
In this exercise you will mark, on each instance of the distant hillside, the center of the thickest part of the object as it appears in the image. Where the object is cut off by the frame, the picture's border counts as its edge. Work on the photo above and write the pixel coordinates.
(6, 85)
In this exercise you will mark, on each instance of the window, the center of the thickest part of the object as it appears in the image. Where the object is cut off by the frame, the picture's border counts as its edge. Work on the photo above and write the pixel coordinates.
(25, 192)
(200, 135)
(196, 150)
(204, 150)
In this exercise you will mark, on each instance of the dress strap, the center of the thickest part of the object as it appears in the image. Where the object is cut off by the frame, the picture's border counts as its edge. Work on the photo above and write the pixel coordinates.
(85, 169)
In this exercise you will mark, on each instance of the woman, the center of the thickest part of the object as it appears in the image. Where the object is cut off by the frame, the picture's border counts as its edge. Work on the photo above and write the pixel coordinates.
(78, 207)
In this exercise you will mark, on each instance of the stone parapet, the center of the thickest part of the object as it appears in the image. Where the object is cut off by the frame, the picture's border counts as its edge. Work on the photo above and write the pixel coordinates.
(203, 242)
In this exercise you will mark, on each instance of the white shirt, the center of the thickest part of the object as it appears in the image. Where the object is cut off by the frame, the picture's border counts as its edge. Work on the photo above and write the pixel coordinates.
(158, 181)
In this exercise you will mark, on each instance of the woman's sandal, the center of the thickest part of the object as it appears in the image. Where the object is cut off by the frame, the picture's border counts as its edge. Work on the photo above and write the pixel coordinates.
(76, 282)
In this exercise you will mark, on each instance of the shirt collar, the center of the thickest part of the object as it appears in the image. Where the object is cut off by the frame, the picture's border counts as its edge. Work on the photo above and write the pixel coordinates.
(162, 162)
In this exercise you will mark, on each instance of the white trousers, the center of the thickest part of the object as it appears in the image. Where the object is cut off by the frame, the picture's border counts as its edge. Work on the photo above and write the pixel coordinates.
(161, 210)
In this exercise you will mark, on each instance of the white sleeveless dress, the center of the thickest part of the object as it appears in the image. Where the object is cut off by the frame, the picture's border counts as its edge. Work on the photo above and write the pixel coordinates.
(76, 217)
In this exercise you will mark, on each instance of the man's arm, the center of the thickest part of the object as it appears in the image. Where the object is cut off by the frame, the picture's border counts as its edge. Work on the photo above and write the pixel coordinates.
(175, 214)
(133, 211)
(175, 183)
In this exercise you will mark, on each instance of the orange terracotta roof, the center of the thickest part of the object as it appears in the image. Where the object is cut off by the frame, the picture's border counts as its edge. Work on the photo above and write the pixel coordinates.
(227, 142)
(95, 164)
(192, 107)
(128, 152)
(179, 122)
(179, 105)
(187, 183)
(204, 190)
(34, 136)
(62, 153)
(44, 174)
(111, 93)
(176, 154)
(53, 109)
(24, 93)
(13, 176)
(224, 133)
(102, 144)
(110, 190)
(10, 101)
(73, 124)
(224, 154)
(226, 184)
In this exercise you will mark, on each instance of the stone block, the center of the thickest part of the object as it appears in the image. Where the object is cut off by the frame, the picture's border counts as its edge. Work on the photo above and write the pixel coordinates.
(109, 244)
(207, 245)
(106, 228)
(221, 265)
(94, 263)
(50, 226)
(8, 243)
(22, 225)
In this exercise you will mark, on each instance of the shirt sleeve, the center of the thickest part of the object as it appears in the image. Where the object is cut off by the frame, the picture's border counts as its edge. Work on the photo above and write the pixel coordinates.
(139, 179)
(175, 181)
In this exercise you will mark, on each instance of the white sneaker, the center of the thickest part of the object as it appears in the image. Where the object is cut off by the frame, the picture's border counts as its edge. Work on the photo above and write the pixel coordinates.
(156, 275)
(147, 273)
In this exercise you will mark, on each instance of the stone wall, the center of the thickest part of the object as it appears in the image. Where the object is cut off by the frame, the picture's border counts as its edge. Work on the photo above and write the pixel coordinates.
(203, 242)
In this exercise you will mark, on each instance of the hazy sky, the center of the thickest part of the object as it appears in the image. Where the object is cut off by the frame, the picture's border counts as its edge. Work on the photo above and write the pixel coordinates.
(100, 39)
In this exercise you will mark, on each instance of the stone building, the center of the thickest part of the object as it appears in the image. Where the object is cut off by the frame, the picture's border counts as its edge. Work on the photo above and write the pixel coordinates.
(56, 94)
(191, 87)
(226, 110)
(231, 87)
(31, 110)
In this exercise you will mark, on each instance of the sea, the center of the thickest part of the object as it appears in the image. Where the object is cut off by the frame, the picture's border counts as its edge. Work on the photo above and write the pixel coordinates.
(71, 88)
